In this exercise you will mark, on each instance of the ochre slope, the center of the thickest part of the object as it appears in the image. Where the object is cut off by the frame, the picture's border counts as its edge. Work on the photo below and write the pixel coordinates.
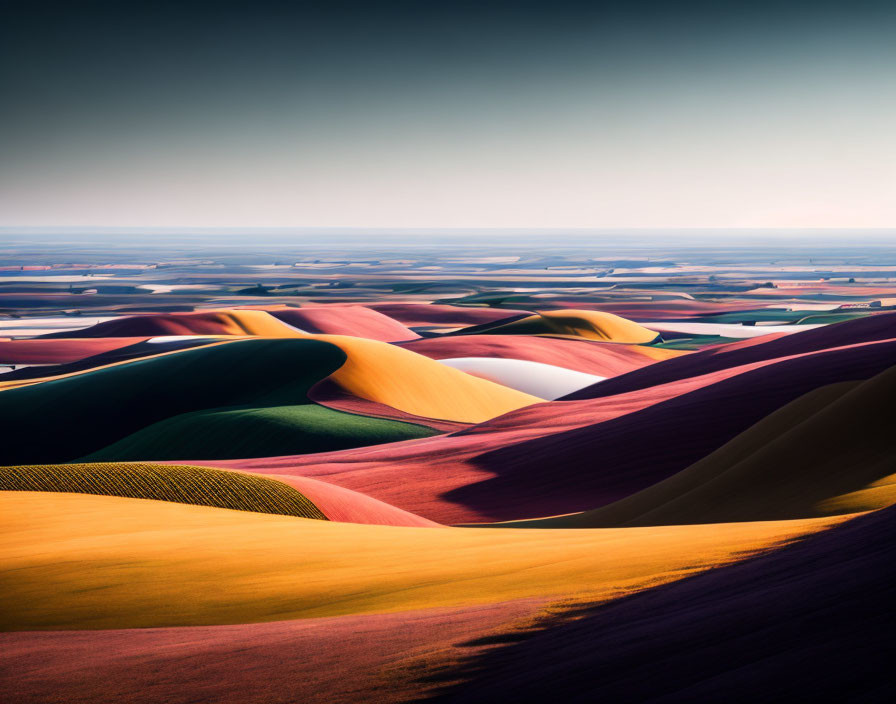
(347, 506)
(618, 457)
(80, 561)
(204, 322)
(382, 373)
(589, 324)
(596, 451)
(202, 486)
(358, 321)
(872, 328)
(601, 359)
(808, 622)
(828, 452)
(418, 385)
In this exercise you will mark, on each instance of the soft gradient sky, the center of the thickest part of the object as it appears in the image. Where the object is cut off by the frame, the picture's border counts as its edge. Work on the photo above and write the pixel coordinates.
(448, 114)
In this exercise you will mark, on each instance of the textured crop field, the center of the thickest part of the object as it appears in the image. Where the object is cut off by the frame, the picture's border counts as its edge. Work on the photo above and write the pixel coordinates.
(182, 484)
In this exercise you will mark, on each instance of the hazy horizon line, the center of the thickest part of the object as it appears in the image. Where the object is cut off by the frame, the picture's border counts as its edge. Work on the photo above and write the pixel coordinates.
(433, 228)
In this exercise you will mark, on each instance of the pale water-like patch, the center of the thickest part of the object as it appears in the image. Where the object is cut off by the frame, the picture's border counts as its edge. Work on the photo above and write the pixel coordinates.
(728, 329)
(536, 378)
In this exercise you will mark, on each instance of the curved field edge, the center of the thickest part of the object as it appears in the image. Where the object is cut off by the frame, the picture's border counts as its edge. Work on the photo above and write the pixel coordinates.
(786, 626)
(80, 561)
(249, 373)
(829, 451)
(240, 433)
(184, 484)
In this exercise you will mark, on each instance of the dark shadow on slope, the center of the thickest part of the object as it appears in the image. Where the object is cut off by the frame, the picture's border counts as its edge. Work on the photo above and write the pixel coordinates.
(808, 622)
(122, 354)
(868, 329)
(591, 466)
(64, 419)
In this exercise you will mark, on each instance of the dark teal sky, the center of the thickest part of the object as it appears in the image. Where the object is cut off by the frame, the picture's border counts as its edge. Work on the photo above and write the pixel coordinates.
(448, 115)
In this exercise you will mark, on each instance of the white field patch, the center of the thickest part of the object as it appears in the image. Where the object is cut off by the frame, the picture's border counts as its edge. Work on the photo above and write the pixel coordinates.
(31, 327)
(728, 329)
(168, 288)
(804, 306)
(180, 338)
(543, 380)
(4, 368)
(60, 279)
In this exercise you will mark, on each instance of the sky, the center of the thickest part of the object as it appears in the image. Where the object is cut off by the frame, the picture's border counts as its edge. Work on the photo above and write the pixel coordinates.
(448, 115)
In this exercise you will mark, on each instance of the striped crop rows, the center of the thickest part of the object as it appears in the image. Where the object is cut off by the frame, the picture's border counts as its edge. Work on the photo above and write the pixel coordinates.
(184, 484)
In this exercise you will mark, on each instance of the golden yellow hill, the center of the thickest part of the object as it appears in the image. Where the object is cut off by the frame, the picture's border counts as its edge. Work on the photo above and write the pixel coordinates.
(589, 324)
(410, 382)
(81, 561)
(256, 323)
(831, 451)
(387, 374)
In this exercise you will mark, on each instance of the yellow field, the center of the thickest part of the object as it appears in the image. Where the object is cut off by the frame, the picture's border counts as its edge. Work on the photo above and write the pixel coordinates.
(590, 324)
(396, 377)
(410, 382)
(81, 561)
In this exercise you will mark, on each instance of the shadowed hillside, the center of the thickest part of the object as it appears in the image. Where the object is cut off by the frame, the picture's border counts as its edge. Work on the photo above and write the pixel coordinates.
(870, 328)
(805, 623)
(830, 451)
(589, 324)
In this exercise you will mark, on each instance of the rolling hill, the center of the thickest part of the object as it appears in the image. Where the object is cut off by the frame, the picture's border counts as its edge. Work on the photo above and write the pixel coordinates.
(263, 379)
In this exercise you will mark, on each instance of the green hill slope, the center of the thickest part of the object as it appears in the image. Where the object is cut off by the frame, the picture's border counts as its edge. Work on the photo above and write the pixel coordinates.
(255, 388)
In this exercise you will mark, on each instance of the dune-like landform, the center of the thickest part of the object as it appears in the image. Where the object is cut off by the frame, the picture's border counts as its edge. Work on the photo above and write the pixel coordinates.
(201, 396)
(227, 433)
(169, 564)
(630, 452)
(536, 378)
(806, 621)
(872, 328)
(244, 662)
(518, 505)
(599, 450)
(676, 309)
(415, 384)
(357, 321)
(586, 356)
(422, 315)
(62, 351)
(201, 486)
(208, 322)
(830, 451)
(210, 486)
(330, 394)
(347, 506)
(137, 350)
(589, 324)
